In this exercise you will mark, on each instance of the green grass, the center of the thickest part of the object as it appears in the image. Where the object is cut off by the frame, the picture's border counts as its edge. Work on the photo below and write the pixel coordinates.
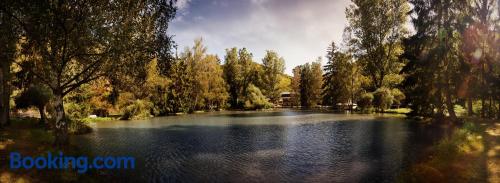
(27, 137)
(399, 110)
(455, 158)
(98, 119)
(460, 111)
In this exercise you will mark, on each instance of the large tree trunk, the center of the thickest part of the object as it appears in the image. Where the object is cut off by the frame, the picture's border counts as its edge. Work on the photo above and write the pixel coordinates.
(4, 94)
(450, 107)
(61, 126)
(483, 107)
(43, 118)
(498, 111)
(2, 111)
(470, 111)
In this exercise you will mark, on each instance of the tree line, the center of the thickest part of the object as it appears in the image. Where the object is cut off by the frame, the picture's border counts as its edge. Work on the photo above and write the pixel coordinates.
(75, 58)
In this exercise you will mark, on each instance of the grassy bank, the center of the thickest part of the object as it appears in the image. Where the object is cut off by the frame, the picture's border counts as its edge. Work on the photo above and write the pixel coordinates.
(30, 139)
(470, 153)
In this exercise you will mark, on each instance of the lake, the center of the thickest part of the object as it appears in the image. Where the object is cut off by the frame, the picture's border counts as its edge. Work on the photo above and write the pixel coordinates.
(275, 146)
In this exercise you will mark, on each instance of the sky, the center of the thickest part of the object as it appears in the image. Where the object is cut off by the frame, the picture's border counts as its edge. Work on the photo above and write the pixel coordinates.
(298, 30)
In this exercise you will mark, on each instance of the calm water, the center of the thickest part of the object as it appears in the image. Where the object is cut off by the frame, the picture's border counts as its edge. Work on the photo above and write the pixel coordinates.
(275, 146)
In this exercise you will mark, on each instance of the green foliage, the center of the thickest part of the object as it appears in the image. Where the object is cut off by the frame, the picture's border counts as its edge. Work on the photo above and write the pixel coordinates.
(365, 102)
(311, 81)
(337, 77)
(132, 108)
(239, 72)
(78, 126)
(375, 28)
(196, 82)
(157, 86)
(214, 93)
(295, 86)
(273, 68)
(255, 99)
(35, 95)
(91, 98)
(76, 110)
(398, 96)
(71, 43)
(450, 56)
(382, 99)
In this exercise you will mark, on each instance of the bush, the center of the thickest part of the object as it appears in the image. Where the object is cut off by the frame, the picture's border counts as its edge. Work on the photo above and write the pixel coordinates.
(398, 97)
(78, 127)
(77, 110)
(132, 108)
(382, 99)
(255, 99)
(365, 102)
(37, 96)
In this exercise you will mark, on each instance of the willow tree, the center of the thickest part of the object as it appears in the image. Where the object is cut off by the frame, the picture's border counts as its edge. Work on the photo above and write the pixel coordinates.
(70, 43)
(376, 27)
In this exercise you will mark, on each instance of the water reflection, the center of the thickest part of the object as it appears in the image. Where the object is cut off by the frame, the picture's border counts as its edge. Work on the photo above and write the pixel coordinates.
(256, 147)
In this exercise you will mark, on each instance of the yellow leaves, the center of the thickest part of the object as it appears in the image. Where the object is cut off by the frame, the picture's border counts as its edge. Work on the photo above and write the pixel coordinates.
(153, 77)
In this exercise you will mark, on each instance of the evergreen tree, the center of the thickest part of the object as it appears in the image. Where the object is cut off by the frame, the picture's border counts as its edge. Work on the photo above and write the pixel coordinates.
(337, 77)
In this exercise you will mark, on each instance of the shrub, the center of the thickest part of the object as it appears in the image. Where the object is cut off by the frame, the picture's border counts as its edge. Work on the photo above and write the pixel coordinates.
(398, 97)
(132, 108)
(37, 96)
(77, 110)
(382, 99)
(255, 99)
(365, 102)
(78, 127)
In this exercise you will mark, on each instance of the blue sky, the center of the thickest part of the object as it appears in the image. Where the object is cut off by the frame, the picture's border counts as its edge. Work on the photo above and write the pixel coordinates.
(299, 30)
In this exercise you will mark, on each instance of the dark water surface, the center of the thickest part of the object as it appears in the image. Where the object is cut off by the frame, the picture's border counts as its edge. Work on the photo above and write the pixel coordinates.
(283, 146)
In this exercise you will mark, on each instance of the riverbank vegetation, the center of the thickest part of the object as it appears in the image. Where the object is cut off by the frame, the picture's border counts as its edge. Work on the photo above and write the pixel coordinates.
(467, 154)
(28, 138)
(80, 61)
(71, 60)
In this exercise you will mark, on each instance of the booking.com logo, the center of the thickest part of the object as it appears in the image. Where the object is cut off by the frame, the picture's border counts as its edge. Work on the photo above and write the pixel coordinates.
(80, 163)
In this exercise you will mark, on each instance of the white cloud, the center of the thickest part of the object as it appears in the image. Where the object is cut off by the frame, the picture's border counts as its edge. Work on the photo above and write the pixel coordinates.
(182, 4)
(299, 31)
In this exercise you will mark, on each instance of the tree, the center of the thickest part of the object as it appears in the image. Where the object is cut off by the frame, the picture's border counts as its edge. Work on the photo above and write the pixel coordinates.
(232, 75)
(255, 99)
(273, 67)
(436, 67)
(37, 96)
(355, 82)
(365, 102)
(377, 27)
(239, 72)
(382, 99)
(337, 77)
(178, 90)
(311, 81)
(295, 86)
(481, 48)
(212, 83)
(10, 32)
(316, 82)
(71, 43)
